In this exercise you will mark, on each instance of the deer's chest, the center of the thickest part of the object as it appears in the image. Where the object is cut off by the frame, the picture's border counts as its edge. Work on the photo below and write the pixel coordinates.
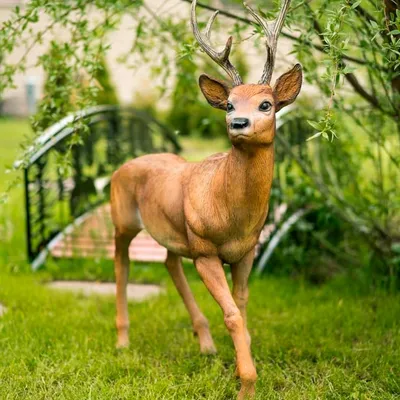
(228, 233)
(234, 250)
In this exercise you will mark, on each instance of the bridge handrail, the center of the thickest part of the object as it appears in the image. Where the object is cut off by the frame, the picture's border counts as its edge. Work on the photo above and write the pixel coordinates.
(52, 201)
(63, 128)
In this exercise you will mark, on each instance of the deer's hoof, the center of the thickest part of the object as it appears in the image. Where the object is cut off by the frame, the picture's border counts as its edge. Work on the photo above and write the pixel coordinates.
(122, 343)
(208, 349)
(247, 392)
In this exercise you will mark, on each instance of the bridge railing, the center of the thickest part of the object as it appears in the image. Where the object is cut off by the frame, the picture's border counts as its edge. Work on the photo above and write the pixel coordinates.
(63, 182)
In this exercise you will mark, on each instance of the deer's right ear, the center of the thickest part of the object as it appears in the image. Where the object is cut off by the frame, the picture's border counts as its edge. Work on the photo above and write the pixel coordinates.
(215, 91)
(287, 87)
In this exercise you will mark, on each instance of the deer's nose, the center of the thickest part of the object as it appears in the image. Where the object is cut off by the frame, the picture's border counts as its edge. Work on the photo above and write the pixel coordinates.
(240, 123)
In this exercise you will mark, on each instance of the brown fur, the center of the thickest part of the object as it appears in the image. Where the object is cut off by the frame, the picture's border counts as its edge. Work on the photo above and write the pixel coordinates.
(212, 211)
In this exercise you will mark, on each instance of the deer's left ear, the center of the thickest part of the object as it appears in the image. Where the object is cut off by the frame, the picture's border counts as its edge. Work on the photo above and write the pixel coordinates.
(287, 87)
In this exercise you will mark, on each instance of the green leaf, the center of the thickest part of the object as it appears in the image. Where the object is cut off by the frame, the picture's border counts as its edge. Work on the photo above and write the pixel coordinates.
(318, 134)
(315, 125)
(356, 4)
(374, 24)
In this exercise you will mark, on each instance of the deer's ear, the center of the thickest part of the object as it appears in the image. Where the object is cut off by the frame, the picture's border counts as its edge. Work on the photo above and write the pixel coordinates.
(215, 91)
(287, 87)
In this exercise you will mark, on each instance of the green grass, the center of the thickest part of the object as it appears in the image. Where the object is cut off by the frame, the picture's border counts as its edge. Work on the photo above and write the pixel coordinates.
(308, 343)
(12, 218)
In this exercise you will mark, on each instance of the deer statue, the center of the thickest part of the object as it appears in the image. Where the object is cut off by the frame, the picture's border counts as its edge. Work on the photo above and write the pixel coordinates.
(211, 211)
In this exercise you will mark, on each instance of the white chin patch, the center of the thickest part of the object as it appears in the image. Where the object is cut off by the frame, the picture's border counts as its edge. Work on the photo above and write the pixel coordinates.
(240, 132)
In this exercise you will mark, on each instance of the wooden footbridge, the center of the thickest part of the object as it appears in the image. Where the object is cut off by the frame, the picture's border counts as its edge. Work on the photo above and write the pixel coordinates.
(94, 238)
(67, 213)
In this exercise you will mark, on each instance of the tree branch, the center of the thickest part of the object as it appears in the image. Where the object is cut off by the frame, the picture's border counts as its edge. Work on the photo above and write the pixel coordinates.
(350, 77)
(283, 33)
(391, 7)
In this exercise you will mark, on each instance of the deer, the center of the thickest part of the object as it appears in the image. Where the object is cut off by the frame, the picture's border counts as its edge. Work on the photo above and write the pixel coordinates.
(210, 211)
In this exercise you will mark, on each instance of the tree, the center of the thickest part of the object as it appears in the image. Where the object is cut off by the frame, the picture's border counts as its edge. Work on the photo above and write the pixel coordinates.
(350, 52)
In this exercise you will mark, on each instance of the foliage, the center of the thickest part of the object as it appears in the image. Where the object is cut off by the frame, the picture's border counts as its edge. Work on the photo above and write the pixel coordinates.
(337, 183)
(308, 342)
(12, 224)
(350, 53)
(188, 115)
(107, 93)
(78, 55)
(56, 102)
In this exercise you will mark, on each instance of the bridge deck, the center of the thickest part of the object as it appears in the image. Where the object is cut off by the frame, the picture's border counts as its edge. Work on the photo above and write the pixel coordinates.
(94, 238)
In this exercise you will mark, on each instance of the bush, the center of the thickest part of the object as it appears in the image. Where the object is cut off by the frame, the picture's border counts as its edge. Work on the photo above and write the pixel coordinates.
(56, 101)
(107, 93)
(338, 182)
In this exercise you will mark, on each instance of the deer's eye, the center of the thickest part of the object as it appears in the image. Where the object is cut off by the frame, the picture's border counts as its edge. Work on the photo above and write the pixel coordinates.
(265, 106)
(229, 107)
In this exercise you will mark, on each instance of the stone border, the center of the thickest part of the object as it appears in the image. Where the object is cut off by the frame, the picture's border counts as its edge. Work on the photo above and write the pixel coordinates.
(137, 292)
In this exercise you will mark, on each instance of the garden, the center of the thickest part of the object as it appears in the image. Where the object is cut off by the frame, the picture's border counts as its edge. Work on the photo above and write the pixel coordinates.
(324, 303)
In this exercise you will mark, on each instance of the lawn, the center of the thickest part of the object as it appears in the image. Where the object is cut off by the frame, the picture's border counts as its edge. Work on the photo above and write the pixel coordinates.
(308, 343)
(334, 341)
(12, 219)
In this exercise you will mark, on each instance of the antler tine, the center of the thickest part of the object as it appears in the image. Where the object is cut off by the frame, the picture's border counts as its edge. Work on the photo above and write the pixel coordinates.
(272, 34)
(207, 31)
(281, 17)
(222, 57)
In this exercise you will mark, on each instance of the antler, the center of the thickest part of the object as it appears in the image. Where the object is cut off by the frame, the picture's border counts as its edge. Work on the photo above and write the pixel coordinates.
(272, 33)
(222, 57)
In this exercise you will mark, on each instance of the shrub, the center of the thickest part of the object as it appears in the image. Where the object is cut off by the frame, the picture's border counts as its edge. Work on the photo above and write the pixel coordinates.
(107, 93)
(55, 103)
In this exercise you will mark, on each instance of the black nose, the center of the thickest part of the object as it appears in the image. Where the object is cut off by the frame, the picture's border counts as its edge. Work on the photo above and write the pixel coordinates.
(240, 123)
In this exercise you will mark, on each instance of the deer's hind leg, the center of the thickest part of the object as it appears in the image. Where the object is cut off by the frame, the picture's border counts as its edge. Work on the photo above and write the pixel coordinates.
(121, 267)
(199, 321)
(127, 222)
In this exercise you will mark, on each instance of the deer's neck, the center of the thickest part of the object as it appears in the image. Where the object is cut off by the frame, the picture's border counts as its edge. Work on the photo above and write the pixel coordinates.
(248, 177)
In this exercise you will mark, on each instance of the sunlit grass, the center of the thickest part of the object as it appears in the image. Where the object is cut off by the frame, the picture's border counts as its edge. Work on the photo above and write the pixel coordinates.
(12, 213)
(308, 343)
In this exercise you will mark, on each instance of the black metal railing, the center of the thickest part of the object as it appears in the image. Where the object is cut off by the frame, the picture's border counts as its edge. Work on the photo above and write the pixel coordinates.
(63, 182)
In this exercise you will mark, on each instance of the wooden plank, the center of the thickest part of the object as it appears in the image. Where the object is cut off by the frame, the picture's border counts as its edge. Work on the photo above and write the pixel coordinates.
(95, 238)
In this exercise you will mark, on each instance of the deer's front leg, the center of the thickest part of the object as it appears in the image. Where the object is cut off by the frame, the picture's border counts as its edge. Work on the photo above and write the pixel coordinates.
(240, 291)
(213, 276)
(199, 321)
